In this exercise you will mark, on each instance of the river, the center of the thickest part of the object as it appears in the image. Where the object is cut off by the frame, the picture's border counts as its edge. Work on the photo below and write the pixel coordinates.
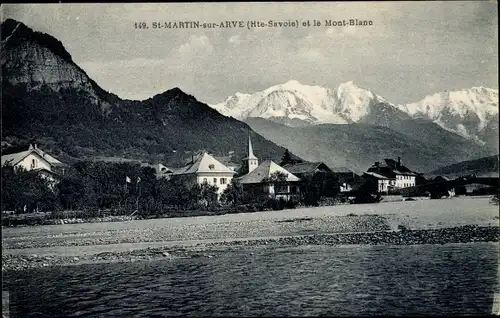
(285, 281)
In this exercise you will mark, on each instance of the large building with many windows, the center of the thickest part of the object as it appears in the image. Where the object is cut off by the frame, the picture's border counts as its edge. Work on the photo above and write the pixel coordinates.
(391, 175)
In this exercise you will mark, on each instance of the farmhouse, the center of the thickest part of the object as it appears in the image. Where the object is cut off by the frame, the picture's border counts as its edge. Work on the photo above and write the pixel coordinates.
(306, 168)
(348, 179)
(272, 180)
(205, 169)
(35, 159)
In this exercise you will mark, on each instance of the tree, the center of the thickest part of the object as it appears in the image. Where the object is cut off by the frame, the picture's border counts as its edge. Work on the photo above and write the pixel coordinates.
(72, 192)
(26, 189)
(310, 190)
(286, 159)
(276, 177)
(317, 185)
(367, 193)
(209, 194)
(203, 195)
(233, 194)
(243, 170)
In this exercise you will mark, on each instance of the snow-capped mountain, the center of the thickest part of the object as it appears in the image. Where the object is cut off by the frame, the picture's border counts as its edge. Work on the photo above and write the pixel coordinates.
(465, 112)
(293, 100)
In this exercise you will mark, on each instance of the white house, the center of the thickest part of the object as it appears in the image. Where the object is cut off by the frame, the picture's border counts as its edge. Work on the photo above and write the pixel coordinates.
(205, 169)
(38, 160)
(394, 174)
(404, 180)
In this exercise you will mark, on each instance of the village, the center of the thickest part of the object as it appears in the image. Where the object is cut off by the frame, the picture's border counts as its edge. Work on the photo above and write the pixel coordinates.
(221, 184)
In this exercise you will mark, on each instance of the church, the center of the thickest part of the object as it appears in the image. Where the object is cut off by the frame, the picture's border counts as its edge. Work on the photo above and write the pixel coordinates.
(268, 178)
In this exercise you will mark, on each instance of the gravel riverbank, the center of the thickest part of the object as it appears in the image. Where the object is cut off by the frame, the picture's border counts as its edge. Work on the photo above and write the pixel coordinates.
(457, 220)
(464, 234)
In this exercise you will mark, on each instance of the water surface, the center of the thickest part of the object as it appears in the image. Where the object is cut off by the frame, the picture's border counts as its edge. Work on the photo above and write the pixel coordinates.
(298, 281)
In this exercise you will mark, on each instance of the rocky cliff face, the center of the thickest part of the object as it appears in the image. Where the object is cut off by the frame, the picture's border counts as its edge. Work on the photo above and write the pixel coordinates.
(34, 65)
(35, 59)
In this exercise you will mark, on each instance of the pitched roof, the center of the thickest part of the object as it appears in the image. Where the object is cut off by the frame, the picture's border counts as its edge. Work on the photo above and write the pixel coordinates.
(305, 167)
(398, 168)
(265, 170)
(49, 158)
(15, 158)
(204, 163)
(226, 161)
(390, 168)
(161, 169)
(341, 170)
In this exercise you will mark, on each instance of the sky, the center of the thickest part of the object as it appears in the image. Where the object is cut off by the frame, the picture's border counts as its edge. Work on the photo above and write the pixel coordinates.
(412, 49)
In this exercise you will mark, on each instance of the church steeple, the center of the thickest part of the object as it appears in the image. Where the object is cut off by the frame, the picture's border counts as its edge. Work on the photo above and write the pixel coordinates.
(252, 160)
(250, 149)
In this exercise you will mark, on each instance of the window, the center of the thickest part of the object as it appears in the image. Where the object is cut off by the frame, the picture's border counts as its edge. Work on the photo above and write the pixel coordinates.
(33, 163)
(281, 188)
(205, 180)
(215, 180)
(222, 180)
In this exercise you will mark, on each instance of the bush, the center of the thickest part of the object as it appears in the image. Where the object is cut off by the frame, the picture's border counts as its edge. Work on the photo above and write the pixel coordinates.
(367, 193)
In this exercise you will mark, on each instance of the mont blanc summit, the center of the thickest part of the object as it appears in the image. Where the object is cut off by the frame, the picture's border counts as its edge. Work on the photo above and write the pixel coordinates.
(465, 112)
(292, 100)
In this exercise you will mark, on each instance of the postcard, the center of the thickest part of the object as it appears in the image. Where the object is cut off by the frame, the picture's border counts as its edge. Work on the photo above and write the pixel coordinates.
(250, 159)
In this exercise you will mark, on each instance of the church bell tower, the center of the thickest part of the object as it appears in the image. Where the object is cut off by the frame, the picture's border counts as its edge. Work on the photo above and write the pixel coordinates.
(251, 160)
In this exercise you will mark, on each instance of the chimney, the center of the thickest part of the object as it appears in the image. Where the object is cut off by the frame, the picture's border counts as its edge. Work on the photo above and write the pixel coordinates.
(399, 162)
(36, 147)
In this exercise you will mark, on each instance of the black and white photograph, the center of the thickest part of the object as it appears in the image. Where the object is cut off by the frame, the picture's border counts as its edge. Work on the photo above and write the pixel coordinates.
(250, 159)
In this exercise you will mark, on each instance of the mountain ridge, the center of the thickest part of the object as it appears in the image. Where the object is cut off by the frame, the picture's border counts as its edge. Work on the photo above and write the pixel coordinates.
(456, 111)
(48, 99)
(358, 145)
(486, 166)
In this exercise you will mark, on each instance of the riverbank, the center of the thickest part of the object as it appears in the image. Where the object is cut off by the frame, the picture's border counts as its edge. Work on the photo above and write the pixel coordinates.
(465, 234)
(76, 217)
(416, 222)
